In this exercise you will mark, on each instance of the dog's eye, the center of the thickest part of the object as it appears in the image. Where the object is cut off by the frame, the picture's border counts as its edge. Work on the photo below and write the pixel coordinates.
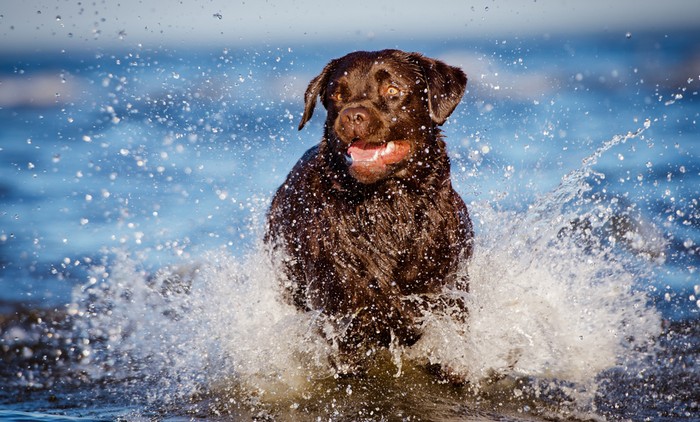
(337, 96)
(392, 90)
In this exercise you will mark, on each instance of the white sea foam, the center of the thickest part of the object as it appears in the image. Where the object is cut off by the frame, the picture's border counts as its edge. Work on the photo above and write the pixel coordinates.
(217, 321)
(540, 305)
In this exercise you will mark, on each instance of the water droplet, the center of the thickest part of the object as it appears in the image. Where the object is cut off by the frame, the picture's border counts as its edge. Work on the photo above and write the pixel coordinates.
(58, 18)
(218, 15)
(628, 35)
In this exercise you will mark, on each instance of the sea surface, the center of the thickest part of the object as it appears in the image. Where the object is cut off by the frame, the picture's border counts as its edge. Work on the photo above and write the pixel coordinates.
(133, 191)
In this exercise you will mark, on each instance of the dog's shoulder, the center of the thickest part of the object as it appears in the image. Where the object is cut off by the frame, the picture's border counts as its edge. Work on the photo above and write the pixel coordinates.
(298, 188)
(308, 160)
(304, 169)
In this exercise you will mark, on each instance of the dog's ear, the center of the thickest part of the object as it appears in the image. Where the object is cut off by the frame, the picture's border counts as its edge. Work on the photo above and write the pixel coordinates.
(316, 87)
(446, 85)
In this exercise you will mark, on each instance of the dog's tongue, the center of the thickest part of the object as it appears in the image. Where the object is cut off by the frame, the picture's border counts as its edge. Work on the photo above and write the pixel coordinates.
(389, 153)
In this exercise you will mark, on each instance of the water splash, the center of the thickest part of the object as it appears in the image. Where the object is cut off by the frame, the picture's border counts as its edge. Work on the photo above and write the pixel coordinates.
(551, 295)
(213, 322)
(552, 298)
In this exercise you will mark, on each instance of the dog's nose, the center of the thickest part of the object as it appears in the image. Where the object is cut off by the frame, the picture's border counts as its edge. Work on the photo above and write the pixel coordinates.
(355, 115)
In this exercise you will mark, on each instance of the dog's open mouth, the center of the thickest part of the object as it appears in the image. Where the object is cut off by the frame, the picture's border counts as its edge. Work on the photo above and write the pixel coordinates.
(367, 154)
(369, 162)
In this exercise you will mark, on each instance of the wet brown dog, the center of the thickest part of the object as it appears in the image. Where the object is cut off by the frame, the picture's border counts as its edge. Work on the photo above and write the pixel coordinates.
(370, 225)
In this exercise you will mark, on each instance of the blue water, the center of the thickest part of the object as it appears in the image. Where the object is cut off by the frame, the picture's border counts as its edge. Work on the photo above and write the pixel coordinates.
(116, 164)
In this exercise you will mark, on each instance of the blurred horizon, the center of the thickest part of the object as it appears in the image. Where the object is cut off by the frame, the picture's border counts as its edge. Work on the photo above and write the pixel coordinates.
(41, 26)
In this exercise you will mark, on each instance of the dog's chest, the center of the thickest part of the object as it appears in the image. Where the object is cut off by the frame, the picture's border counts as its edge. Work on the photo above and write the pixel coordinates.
(378, 240)
(382, 222)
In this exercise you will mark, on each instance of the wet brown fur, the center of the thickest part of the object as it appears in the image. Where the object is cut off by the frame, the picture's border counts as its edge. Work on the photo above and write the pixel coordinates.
(369, 254)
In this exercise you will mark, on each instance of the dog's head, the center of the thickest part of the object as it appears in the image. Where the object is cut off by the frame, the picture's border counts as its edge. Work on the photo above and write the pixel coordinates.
(383, 109)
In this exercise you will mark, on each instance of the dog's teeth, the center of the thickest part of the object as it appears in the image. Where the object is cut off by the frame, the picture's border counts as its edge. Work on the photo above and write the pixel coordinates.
(389, 148)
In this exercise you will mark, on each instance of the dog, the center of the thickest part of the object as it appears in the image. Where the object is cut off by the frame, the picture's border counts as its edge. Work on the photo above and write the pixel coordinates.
(369, 224)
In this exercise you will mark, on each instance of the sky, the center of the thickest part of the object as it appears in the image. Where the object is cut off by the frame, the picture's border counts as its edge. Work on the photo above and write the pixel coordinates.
(42, 25)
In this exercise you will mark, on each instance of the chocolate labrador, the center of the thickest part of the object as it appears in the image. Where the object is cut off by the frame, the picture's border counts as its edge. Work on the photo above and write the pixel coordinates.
(369, 224)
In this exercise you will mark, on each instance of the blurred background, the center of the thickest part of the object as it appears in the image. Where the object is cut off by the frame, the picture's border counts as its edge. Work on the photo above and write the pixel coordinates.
(57, 25)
